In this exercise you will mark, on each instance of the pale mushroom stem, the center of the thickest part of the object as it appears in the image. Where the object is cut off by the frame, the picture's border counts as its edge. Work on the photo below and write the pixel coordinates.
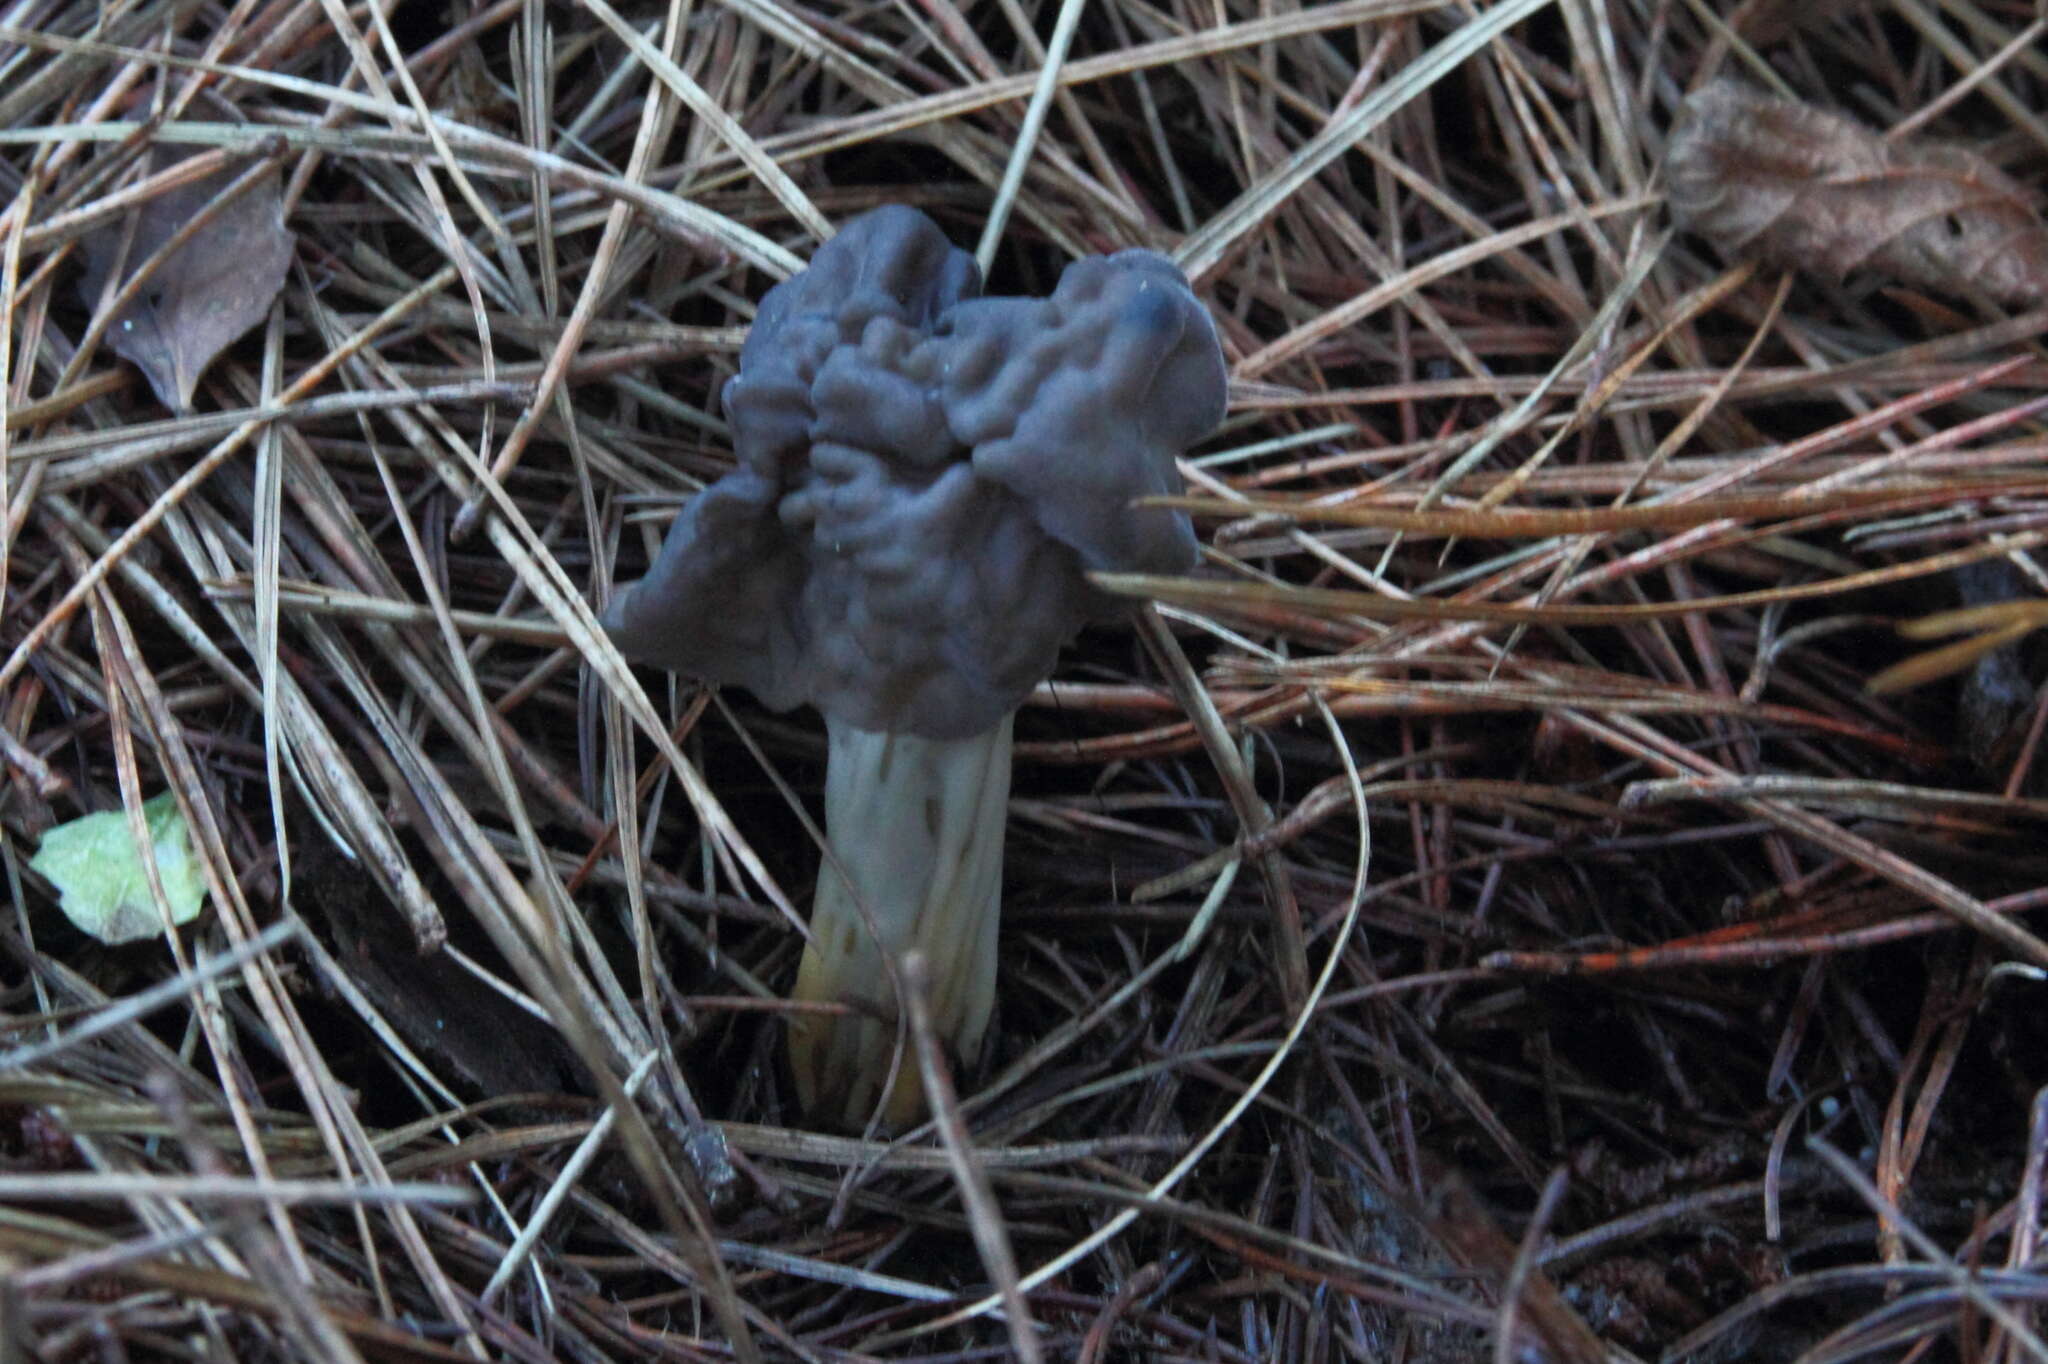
(916, 825)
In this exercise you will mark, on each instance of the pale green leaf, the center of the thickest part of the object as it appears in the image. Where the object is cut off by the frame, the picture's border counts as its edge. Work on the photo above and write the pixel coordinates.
(101, 883)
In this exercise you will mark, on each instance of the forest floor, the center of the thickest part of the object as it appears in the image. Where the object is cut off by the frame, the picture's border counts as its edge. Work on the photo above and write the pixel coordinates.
(1556, 883)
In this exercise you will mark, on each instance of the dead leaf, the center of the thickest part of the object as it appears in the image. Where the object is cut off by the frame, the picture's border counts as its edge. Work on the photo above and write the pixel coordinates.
(1763, 23)
(1795, 186)
(204, 295)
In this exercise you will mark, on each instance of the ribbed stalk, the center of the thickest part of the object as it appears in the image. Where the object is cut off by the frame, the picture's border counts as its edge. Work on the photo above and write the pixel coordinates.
(916, 825)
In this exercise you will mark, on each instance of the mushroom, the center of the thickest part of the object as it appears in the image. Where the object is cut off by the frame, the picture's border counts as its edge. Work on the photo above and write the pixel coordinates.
(925, 477)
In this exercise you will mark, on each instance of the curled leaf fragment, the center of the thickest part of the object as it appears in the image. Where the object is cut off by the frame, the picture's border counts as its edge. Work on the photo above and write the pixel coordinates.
(101, 884)
(1783, 182)
(203, 295)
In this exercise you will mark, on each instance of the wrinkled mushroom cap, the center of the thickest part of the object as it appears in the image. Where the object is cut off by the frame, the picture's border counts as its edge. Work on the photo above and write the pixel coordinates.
(924, 478)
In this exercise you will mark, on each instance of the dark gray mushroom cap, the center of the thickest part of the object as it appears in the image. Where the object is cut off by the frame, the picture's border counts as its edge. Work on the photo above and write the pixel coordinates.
(924, 478)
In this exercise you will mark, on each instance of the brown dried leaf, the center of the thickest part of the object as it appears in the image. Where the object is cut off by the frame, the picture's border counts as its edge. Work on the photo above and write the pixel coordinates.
(204, 295)
(1789, 184)
(1765, 22)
